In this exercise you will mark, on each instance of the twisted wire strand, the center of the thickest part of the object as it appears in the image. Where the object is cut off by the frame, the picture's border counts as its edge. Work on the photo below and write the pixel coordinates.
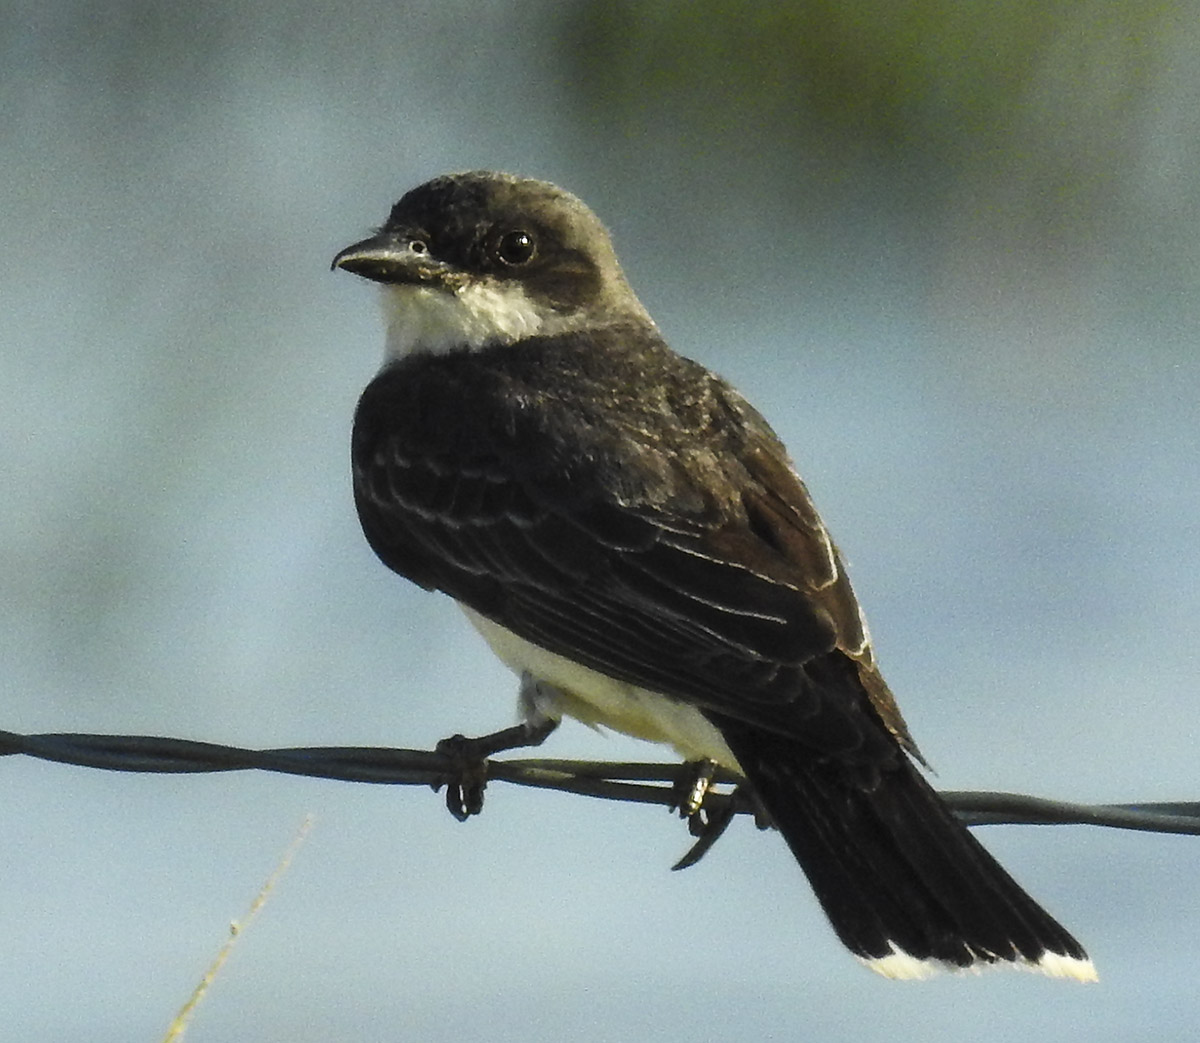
(645, 783)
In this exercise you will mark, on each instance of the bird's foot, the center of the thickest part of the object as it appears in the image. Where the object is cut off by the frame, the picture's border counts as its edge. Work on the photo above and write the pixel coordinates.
(709, 812)
(707, 827)
(466, 777)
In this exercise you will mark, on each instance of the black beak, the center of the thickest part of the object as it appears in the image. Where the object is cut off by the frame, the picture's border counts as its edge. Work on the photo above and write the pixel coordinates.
(391, 258)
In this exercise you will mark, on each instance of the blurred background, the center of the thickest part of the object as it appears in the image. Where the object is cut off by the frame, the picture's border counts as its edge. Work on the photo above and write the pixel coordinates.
(949, 249)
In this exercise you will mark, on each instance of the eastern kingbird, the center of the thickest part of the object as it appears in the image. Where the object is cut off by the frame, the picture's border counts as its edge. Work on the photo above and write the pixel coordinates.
(629, 536)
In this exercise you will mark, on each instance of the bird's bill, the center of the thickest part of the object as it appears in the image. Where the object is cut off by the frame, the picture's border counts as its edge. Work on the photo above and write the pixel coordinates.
(389, 258)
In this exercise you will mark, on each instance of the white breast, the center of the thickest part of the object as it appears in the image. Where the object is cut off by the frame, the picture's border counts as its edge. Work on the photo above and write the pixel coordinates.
(596, 699)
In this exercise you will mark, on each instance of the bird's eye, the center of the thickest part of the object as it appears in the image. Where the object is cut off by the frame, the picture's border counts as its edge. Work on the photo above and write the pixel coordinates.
(516, 248)
(418, 246)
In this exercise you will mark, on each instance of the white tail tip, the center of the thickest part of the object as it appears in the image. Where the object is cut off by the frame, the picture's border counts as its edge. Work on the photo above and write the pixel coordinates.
(903, 966)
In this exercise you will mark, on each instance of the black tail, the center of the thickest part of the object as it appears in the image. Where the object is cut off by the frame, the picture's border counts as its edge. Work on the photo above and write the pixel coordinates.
(906, 887)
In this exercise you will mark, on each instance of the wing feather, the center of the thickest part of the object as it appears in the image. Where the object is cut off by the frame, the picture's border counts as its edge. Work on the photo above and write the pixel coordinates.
(711, 580)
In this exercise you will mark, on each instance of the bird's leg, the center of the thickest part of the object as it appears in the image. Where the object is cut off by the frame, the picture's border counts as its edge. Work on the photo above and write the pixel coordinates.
(707, 822)
(468, 777)
(691, 786)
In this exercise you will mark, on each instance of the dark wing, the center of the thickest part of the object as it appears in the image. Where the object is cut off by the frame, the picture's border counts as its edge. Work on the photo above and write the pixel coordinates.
(614, 538)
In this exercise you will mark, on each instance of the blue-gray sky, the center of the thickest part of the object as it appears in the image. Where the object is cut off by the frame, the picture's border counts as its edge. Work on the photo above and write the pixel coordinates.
(958, 271)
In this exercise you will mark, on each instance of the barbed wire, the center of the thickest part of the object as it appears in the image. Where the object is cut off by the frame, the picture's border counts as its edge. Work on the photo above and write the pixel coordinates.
(636, 781)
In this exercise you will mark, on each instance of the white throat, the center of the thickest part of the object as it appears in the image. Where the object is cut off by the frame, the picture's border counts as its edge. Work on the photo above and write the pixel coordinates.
(430, 319)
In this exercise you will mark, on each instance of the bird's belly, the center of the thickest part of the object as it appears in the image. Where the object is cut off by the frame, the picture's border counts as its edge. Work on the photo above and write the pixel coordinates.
(599, 700)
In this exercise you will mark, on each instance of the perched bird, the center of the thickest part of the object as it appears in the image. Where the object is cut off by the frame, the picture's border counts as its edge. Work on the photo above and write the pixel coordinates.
(629, 536)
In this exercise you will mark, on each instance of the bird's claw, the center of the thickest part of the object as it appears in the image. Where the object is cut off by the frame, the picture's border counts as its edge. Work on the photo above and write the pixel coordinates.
(707, 825)
(466, 777)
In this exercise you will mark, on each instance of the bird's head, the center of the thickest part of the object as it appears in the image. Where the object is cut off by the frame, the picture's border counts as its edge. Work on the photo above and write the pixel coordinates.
(478, 259)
